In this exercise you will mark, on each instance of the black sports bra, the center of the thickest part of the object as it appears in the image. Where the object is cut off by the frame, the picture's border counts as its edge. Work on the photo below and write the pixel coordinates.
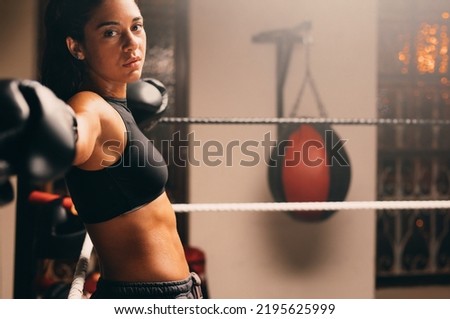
(137, 178)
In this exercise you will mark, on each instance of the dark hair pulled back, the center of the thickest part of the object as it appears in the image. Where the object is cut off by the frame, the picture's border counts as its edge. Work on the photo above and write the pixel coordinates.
(60, 71)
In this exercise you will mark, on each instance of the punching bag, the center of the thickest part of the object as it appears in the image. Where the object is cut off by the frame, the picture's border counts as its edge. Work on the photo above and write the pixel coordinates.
(309, 164)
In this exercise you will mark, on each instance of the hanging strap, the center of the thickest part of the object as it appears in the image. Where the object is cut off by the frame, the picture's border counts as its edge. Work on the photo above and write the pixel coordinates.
(308, 79)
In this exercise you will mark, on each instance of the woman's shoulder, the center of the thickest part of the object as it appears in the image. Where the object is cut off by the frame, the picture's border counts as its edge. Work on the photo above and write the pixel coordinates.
(96, 108)
(98, 122)
(87, 101)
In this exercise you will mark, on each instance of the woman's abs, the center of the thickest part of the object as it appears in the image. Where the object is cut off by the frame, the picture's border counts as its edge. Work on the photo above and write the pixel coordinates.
(142, 245)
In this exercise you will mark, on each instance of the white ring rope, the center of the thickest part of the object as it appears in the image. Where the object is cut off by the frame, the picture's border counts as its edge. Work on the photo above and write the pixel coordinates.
(77, 287)
(76, 290)
(313, 206)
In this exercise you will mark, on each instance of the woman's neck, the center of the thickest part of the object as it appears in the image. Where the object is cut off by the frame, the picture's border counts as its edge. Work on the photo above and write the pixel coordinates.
(104, 88)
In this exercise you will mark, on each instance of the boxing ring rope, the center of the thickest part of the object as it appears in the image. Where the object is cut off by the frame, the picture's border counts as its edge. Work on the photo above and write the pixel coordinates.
(76, 290)
(313, 206)
(77, 287)
(302, 120)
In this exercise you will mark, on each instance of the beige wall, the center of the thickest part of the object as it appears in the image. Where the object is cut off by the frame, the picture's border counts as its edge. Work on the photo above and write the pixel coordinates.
(17, 60)
(18, 37)
(269, 255)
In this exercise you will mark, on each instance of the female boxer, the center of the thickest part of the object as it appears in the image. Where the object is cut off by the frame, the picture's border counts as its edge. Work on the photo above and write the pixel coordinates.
(94, 48)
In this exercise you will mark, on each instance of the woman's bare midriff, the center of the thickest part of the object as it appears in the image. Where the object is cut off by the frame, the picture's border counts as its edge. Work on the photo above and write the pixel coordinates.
(142, 245)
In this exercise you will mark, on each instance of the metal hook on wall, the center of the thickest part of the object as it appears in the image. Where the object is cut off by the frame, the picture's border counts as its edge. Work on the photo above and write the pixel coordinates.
(285, 40)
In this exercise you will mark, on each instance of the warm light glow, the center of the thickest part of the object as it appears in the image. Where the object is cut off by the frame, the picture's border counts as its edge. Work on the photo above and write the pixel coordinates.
(404, 56)
(445, 15)
(432, 43)
(443, 53)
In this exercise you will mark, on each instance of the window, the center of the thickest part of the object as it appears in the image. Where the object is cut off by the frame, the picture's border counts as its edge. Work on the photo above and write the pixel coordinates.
(413, 247)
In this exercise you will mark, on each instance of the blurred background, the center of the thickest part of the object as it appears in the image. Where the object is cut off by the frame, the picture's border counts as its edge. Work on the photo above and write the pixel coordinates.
(369, 59)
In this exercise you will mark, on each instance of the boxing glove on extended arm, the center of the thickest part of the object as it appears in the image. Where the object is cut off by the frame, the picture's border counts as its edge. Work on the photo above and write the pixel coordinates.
(147, 100)
(13, 119)
(41, 144)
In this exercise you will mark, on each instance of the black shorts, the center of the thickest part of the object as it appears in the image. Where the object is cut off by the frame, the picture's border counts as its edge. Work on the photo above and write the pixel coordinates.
(189, 288)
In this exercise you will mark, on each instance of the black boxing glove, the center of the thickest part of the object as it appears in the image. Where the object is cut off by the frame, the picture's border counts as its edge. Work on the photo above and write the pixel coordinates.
(14, 115)
(147, 100)
(44, 148)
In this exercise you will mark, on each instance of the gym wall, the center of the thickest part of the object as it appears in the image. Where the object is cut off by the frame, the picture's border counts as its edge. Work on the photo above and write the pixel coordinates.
(270, 255)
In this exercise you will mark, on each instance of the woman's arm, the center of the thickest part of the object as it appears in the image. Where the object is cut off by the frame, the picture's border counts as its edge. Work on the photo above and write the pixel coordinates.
(98, 122)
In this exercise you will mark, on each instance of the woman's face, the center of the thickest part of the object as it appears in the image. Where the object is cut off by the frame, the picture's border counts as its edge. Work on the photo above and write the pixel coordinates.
(115, 44)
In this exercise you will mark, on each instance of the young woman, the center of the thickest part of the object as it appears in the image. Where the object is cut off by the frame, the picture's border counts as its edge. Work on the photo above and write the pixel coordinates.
(94, 48)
